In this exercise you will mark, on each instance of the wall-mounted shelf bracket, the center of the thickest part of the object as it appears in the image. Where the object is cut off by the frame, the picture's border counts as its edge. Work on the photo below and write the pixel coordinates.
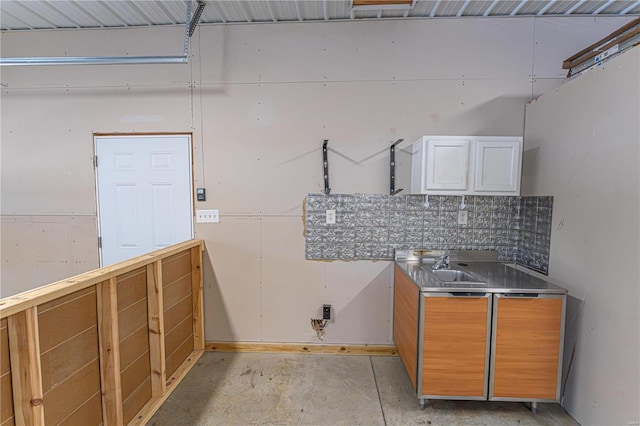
(325, 166)
(392, 166)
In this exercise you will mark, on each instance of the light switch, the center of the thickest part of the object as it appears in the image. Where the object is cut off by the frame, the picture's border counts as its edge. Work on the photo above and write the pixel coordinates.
(331, 217)
(207, 216)
(462, 217)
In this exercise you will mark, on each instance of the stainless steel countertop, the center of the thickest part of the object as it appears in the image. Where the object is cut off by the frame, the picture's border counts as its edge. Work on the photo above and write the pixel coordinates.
(499, 278)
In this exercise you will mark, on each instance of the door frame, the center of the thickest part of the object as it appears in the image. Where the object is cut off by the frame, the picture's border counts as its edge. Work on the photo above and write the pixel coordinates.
(145, 134)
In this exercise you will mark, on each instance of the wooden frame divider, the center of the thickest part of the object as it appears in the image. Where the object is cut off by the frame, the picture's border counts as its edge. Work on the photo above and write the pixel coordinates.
(21, 311)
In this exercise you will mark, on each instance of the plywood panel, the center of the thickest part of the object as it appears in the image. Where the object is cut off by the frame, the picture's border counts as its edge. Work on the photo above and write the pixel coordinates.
(103, 43)
(132, 287)
(455, 346)
(176, 358)
(61, 401)
(175, 267)
(64, 299)
(232, 302)
(405, 322)
(59, 322)
(138, 398)
(595, 169)
(66, 246)
(132, 318)
(6, 392)
(63, 360)
(133, 346)
(371, 52)
(360, 294)
(291, 298)
(89, 414)
(176, 314)
(526, 364)
(576, 34)
(5, 363)
(135, 374)
(175, 336)
(74, 120)
(6, 399)
(175, 292)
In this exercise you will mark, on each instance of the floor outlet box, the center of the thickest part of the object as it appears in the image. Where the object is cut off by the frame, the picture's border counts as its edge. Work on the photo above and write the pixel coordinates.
(326, 312)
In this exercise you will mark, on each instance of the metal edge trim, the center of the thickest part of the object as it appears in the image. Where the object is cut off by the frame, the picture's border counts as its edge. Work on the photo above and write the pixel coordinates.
(561, 347)
(487, 350)
(420, 355)
(494, 325)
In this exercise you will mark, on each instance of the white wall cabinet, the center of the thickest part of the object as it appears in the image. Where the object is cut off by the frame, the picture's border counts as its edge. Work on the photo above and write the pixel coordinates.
(464, 165)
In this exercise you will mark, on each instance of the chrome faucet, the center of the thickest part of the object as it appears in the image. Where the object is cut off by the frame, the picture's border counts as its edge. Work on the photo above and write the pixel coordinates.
(442, 263)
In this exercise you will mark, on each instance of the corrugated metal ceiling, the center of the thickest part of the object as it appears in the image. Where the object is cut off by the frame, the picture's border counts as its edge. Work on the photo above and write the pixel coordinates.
(57, 14)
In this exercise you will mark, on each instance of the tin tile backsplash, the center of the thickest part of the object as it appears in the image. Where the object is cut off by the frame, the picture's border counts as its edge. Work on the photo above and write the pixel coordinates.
(371, 226)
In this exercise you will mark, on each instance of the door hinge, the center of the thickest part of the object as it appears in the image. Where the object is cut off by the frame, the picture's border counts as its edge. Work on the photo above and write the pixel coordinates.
(95, 161)
(99, 242)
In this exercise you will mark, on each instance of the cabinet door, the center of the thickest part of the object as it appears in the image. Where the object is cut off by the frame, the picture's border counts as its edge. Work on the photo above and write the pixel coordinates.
(447, 164)
(527, 347)
(497, 167)
(406, 298)
(455, 346)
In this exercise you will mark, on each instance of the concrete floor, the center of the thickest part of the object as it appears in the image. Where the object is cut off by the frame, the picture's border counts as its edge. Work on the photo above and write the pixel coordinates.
(289, 389)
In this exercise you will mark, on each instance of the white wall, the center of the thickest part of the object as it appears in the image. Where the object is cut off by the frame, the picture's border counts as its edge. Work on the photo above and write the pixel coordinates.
(582, 145)
(259, 100)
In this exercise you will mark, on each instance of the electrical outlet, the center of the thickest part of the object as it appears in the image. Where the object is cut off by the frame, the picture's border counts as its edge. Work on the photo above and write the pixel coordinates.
(331, 217)
(326, 312)
(207, 216)
(463, 216)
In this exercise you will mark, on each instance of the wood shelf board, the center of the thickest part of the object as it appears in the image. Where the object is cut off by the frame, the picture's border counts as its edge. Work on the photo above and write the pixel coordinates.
(301, 348)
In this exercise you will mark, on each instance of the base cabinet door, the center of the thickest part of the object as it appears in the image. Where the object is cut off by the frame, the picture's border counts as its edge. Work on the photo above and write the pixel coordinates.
(455, 345)
(527, 347)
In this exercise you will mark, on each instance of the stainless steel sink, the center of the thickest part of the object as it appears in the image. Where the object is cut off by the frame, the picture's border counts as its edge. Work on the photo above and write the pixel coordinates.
(455, 276)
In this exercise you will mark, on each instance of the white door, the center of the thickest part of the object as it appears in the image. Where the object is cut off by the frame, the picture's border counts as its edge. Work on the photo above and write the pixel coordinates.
(144, 194)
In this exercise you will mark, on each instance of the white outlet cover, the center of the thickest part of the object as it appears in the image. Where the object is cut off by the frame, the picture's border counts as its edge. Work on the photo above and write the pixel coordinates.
(463, 216)
(331, 217)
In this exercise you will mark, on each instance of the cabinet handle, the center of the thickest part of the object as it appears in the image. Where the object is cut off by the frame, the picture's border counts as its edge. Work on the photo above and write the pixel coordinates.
(519, 295)
(469, 294)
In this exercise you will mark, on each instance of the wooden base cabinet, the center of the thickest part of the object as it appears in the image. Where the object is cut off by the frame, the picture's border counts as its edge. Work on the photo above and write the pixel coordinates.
(526, 352)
